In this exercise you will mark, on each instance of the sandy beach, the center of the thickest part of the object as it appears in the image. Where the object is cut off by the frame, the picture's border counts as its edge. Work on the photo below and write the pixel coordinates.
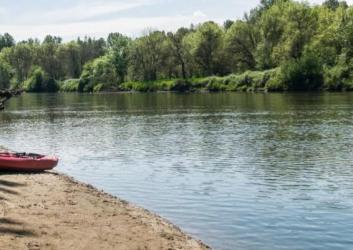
(53, 211)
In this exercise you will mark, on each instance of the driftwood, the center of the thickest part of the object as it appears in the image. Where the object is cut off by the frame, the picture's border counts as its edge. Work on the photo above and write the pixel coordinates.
(6, 95)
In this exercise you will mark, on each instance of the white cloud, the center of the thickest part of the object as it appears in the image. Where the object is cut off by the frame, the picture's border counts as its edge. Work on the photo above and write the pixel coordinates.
(91, 9)
(199, 14)
(129, 26)
(100, 17)
(78, 10)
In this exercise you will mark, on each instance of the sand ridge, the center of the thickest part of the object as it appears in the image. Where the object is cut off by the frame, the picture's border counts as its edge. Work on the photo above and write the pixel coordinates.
(53, 211)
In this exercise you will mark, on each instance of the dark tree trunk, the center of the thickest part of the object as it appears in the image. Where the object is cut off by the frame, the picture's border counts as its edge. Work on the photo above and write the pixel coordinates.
(6, 95)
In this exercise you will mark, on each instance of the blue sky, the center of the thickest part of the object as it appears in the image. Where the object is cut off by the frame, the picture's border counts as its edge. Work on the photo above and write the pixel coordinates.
(72, 18)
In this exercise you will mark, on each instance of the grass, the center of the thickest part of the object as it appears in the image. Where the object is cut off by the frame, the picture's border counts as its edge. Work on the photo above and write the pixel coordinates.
(247, 81)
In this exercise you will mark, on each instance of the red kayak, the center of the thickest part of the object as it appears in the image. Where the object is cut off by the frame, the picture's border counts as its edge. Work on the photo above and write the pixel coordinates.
(27, 162)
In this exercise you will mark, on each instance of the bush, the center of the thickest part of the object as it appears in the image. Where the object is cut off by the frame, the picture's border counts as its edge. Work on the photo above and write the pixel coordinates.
(215, 84)
(39, 81)
(99, 87)
(161, 85)
(275, 82)
(339, 77)
(304, 74)
(136, 86)
(198, 83)
(70, 85)
(99, 71)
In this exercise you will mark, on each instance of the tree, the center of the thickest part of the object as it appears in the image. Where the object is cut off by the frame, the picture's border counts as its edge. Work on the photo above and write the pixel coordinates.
(147, 56)
(179, 49)
(69, 57)
(100, 72)
(6, 74)
(227, 24)
(6, 41)
(326, 42)
(52, 40)
(302, 74)
(301, 24)
(91, 49)
(20, 57)
(206, 46)
(332, 4)
(39, 81)
(118, 49)
(240, 43)
(48, 58)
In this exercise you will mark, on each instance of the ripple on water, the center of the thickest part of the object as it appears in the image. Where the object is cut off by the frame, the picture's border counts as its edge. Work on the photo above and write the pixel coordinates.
(236, 170)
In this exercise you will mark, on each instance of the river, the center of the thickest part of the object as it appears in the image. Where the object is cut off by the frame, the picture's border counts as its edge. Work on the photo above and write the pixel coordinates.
(236, 170)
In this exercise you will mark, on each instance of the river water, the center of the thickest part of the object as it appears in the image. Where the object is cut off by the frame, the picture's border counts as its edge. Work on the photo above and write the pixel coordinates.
(236, 170)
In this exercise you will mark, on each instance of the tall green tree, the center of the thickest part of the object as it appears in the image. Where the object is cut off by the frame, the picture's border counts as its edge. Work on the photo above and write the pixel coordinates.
(179, 50)
(206, 46)
(118, 49)
(6, 74)
(240, 42)
(6, 40)
(21, 58)
(69, 57)
(48, 57)
(147, 56)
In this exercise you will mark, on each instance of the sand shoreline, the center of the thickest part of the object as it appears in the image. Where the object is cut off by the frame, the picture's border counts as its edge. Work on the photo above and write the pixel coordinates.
(54, 211)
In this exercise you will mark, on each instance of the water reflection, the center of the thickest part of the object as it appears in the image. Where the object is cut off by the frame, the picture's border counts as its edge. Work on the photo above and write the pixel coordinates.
(252, 171)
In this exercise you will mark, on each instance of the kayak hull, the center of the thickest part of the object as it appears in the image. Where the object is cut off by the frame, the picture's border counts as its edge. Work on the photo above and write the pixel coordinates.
(28, 164)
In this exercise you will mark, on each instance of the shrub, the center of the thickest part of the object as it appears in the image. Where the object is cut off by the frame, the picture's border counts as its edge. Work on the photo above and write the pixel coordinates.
(304, 74)
(339, 77)
(99, 87)
(39, 81)
(136, 86)
(70, 85)
(98, 71)
(215, 84)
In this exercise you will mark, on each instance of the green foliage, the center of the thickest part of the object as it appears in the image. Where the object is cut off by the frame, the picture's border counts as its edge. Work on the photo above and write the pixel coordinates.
(241, 41)
(149, 56)
(100, 71)
(206, 47)
(340, 76)
(332, 4)
(279, 45)
(70, 85)
(39, 81)
(118, 45)
(5, 74)
(303, 74)
(20, 57)
(180, 53)
(215, 84)
(69, 56)
(6, 41)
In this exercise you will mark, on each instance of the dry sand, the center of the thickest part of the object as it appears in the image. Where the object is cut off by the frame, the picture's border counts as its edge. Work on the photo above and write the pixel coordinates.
(52, 211)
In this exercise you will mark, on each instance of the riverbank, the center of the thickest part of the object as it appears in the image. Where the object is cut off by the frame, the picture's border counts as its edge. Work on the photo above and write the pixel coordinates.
(52, 211)
(250, 81)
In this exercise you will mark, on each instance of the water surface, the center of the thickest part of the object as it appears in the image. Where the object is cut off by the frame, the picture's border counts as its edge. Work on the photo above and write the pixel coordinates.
(239, 171)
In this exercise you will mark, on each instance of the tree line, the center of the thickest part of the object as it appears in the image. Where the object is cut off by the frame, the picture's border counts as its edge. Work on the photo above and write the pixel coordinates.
(279, 45)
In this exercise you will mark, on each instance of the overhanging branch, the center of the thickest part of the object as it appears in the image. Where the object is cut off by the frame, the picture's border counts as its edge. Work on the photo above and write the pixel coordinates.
(6, 95)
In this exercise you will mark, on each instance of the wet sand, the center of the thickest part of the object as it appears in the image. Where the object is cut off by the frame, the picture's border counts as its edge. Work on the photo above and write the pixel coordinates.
(52, 211)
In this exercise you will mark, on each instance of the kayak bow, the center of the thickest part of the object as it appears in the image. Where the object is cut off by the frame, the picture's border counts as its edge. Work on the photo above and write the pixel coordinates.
(27, 162)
